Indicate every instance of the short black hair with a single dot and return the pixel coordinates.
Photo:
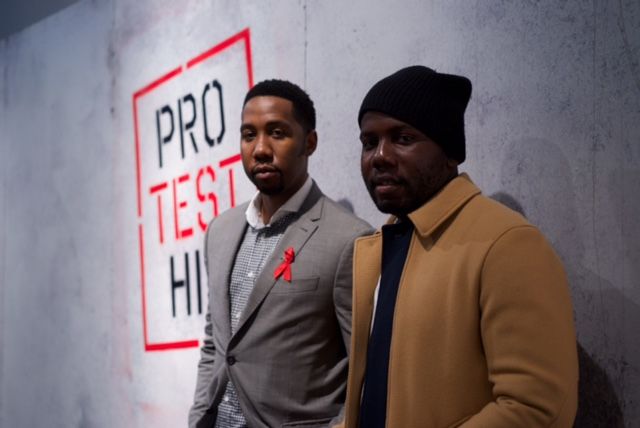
(303, 109)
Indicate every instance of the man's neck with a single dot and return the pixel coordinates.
(269, 204)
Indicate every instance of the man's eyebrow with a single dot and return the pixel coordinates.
(365, 135)
(269, 124)
(282, 123)
(404, 128)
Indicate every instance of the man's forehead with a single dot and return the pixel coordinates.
(268, 99)
(268, 106)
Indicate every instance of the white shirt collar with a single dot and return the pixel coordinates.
(254, 217)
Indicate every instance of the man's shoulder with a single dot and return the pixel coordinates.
(228, 216)
(336, 214)
(491, 217)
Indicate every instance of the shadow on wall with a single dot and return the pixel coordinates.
(346, 204)
(598, 405)
(536, 175)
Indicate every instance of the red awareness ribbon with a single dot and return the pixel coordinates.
(285, 266)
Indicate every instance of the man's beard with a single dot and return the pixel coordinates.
(266, 189)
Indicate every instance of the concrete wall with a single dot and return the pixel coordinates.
(552, 130)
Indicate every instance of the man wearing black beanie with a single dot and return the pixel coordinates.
(461, 309)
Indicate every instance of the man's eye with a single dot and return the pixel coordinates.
(248, 135)
(368, 143)
(406, 138)
(277, 133)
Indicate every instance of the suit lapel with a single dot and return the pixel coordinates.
(222, 276)
(296, 236)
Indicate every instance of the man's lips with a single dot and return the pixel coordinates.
(385, 184)
(264, 171)
(385, 180)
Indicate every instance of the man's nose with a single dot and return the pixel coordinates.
(262, 148)
(383, 155)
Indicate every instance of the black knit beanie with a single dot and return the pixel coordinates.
(431, 102)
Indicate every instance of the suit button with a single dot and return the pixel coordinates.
(231, 360)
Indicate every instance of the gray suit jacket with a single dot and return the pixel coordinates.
(288, 358)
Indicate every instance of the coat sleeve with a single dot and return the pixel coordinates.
(528, 335)
(207, 358)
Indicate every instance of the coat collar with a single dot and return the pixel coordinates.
(442, 205)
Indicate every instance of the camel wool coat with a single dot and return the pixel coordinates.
(483, 332)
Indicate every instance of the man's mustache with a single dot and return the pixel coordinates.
(384, 178)
(260, 168)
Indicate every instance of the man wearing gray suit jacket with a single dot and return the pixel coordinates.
(279, 267)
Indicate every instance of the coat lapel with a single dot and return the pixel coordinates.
(225, 257)
(366, 272)
(296, 236)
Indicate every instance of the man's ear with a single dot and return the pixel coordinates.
(311, 142)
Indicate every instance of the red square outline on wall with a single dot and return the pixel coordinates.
(242, 37)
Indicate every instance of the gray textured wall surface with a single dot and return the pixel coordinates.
(19, 14)
(553, 130)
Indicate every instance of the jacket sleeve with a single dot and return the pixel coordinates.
(343, 282)
(528, 335)
(207, 357)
